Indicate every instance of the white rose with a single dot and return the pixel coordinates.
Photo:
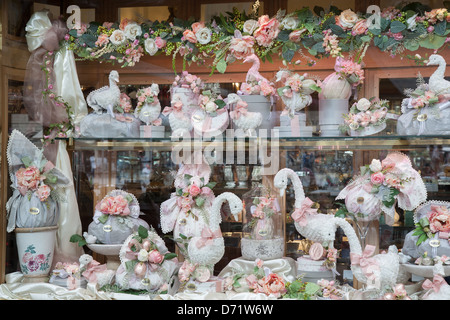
(210, 107)
(375, 166)
(203, 35)
(348, 18)
(250, 26)
(363, 104)
(117, 37)
(143, 255)
(132, 30)
(150, 46)
(289, 23)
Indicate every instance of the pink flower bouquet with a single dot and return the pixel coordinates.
(295, 91)
(366, 117)
(116, 216)
(348, 75)
(38, 185)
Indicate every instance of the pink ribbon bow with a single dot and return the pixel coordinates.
(365, 261)
(176, 108)
(239, 110)
(300, 214)
(208, 236)
(434, 285)
(72, 283)
(92, 269)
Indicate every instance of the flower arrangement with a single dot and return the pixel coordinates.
(211, 103)
(426, 260)
(117, 205)
(436, 220)
(258, 87)
(365, 113)
(419, 98)
(295, 91)
(192, 192)
(143, 253)
(398, 292)
(330, 290)
(125, 105)
(146, 96)
(188, 81)
(262, 280)
(262, 211)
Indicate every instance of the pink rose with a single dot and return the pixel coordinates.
(123, 24)
(259, 263)
(160, 43)
(242, 47)
(155, 257)
(40, 258)
(377, 178)
(194, 190)
(189, 36)
(43, 192)
(359, 28)
(197, 26)
(28, 178)
(268, 30)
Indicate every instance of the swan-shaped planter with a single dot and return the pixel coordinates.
(208, 248)
(378, 271)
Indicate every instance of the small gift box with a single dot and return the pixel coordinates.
(152, 131)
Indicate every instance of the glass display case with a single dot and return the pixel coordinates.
(146, 167)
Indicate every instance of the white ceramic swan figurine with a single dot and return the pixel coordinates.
(106, 97)
(437, 82)
(209, 248)
(322, 228)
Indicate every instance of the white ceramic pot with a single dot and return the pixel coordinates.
(35, 247)
(259, 103)
(330, 115)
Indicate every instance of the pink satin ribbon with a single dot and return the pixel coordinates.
(239, 110)
(93, 268)
(300, 214)
(208, 236)
(72, 283)
(177, 110)
(364, 260)
(208, 119)
(434, 285)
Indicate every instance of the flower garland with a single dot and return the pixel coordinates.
(226, 39)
